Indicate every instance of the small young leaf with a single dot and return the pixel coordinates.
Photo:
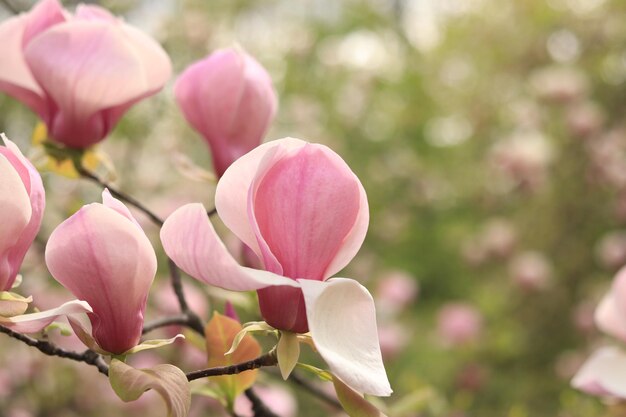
(288, 352)
(169, 381)
(353, 403)
(220, 335)
(13, 304)
(153, 344)
(252, 327)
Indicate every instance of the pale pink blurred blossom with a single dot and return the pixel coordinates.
(459, 324)
(531, 271)
(395, 292)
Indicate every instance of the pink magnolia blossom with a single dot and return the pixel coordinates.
(102, 256)
(229, 99)
(79, 73)
(22, 200)
(304, 214)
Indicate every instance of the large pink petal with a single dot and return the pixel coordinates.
(42, 16)
(342, 322)
(104, 258)
(36, 322)
(189, 239)
(305, 205)
(16, 78)
(603, 374)
(14, 205)
(91, 66)
(34, 187)
(231, 195)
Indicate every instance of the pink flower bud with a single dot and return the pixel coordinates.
(79, 73)
(103, 257)
(396, 291)
(459, 324)
(229, 99)
(22, 202)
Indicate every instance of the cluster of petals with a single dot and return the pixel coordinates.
(304, 213)
(80, 73)
(604, 373)
(103, 257)
(229, 99)
(22, 203)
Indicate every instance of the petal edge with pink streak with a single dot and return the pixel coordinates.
(603, 374)
(342, 322)
(36, 322)
(190, 240)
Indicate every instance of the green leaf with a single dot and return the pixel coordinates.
(152, 344)
(288, 353)
(353, 403)
(169, 381)
(320, 373)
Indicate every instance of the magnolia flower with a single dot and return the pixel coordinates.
(229, 99)
(102, 256)
(79, 73)
(604, 374)
(22, 202)
(304, 214)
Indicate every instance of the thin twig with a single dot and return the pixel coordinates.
(194, 322)
(89, 356)
(258, 407)
(268, 359)
(85, 173)
(180, 320)
(314, 391)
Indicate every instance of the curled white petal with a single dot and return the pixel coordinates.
(603, 374)
(342, 322)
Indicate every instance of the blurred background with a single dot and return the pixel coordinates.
(490, 136)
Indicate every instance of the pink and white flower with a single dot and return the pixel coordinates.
(304, 213)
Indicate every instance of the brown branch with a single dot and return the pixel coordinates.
(180, 320)
(268, 359)
(258, 407)
(89, 356)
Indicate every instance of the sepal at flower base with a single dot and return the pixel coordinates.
(167, 380)
(287, 353)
